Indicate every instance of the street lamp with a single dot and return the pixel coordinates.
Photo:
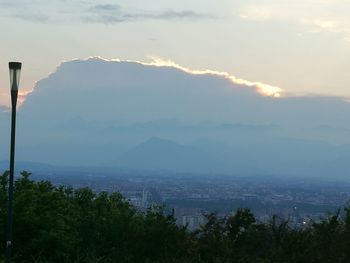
(15, 72)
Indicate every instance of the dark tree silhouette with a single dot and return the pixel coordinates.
(60, 224)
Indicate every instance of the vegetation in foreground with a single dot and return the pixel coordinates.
(59, 224)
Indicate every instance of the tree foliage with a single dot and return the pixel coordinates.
(60, 224)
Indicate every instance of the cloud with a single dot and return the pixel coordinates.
(313, 16)
(257, 13)
(110, 14)
(157, 92)
(40, 11)
(319, 25)
(261, 88)
(32, 17)
(106, 7)
(36, 11)
(22, 95)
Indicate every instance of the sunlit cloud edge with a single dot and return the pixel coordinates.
(261, 88)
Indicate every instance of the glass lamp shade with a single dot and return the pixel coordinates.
(15, 73)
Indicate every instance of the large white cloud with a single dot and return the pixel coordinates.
(98, 89)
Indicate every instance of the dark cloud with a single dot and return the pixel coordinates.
(40, 11)
(106, 7)
(171, 14)
(110, 14)
(39, 18)
(34, 11)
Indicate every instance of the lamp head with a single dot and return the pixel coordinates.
(15, 73)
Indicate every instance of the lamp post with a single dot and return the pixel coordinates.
(15, 71)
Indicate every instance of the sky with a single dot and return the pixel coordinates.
(300, 46)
